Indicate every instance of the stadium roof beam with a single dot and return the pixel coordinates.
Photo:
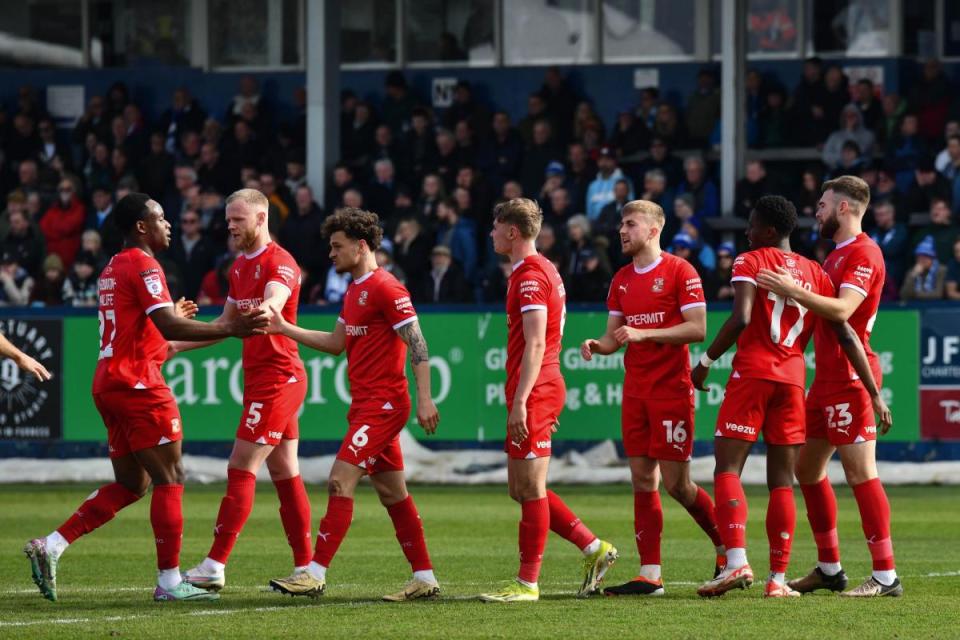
(733, 60)
(322, 61)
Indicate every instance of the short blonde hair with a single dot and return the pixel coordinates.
(250, 197)
(854, 189)
(651, 210)
(523, 213)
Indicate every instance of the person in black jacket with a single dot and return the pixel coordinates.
(192, 253)
(301, 236)
(444, 283)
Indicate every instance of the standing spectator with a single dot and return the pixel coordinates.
(193, 253)
(386, 147)
(865, 98)
(155, 172)
(358, 141)
(466, 143)
(447, 161)
(420, 144)
(539, 153)
(629, 135)
(809, 104)
(296, 170)
(706, 196)
(185, 185)
(100, 218)
(561, 102)
(942, 231)
(893, 240)
(591, 282)
(717, 286)
(301, 236)
(774, 121)
(893, 110)
(16, 285)
(943, 159)
(581, 171)
(930, 99)
(22, 141)
(24, 242)
(647, 109)
(905, 150)
(432, 191)
(62, 223)
(607, 225)
(950, 169)
(953, 273)
(93, 121)
(926, 186)
(460, 236)
(600, 192)
(536, 111)
(550, 246)
(886, 191)
(753, 85)
(343, 179)
(661, 158)
(243, 147)
(668, 126)
(80, 288)
(48, 290)
(278, 200)
(398, 104)
(851, 129)
(382, 189)
(411, 247)
(500, 157)
(703, 109)
(753, 186)
(465, 107)
(183, 115)
(52, 154)
(925, 280)
(582, 245)
(837, 96)
(655, 190)
(560, 209)
(444, 283)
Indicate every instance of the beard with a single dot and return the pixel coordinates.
(829, 227)
(247, 239)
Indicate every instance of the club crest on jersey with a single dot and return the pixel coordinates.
(362, 300)
(791, 263)
(836, 265)
(256, 273)
(153, 283)
(657, 285)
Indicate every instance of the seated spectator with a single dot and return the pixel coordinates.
(411, 247)
(539, 153)
(851, 161)
(62, 223)
(927, 185)
(684, 246)
(584, 118)
(343, 179)
(607, 225)
(554, 178)
(92, 243)
(629, 136)
(753, 186)
(703, 109)
(536, 111)
(398, 103)
(280, 201)
(385, 261)
(706, 196)
(851, 129)
(215, 284)
(155, 171)
(216, 172)
(465, 108)
(647, 109)
(550, 246)
(301, 235)
(495, 284)
(24, 241)
(893, 109)
(655, 190)
(886, 191)
(511, 190)
(464, 202)
(459, 235)
(924, 281)
(444, 283)
(893, 240)
(80, 288)
(52, 154)
(296, 170)
(466, 143)
(481, 196)
(600, 191)
(953, 273)
(98, 172)
(332, 289)
(447, 161)
(950, 168)
(185, 114)
(837, 95)
(717, 285)
(591, 282)
(193, 253)
(942, 230)
(668, 127)
(382, 189)
(352, 198)
(358, 141)
(100, 219)
(905, 150)
(499, 158)
(865, 99)
(420, 144)
(944, 158)
(16, 285)
(387, 148)
(48, 290)
(583, 245)
(581, 170)
(432, 191)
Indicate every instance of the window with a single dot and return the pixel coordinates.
(771, 28)
(254, 33)
(853, 27)
(138, 32)
(443, 30)
(368, 31)
(549, 31)
(42, 33)
(635, 29)
(919, 29)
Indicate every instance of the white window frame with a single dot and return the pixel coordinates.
(201, 37)
(701, 34)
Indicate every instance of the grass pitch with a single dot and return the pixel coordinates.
(106, 579)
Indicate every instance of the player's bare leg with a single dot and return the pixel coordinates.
(730, 454)
(821, 506)
(284, 468)
(781, 517)
(391, 488)
(860, 466)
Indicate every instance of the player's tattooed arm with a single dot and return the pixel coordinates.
(411, 334)
(427, 414)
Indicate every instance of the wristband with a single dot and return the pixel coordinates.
(706, 361)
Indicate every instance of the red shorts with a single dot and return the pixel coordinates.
(269, 417)
(660, 428)
(373, 439)
(752, 405)
(138, 419)
(544, 406)
(841, 413)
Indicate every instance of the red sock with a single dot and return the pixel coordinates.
(822, 514)
(875, 518)
(702, 511)
(731, 510)
(409, 528)
(166, 516)
(98, 509)
(566, 524)
(295, 515)
(781, 522)
(333, 529)
(648, 525)
(234, 510)
(534, 527)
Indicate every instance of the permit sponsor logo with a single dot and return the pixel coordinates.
(657, 285)
(740, 428)
(356, 330)
(154, 284)
(646, 319)
(248, 304)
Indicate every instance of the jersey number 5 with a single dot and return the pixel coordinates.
(779, 303)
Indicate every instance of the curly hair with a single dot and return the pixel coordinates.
(356, 224)
(777, 212)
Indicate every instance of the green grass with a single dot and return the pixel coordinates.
(106, 579)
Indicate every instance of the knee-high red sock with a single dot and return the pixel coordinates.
(534, 527)
(333, 529)
(166, 516)
(234, 510)
(822, 515)
(409, 529)
(875, 518)
(295, 515)
(648, 525)
(702, 511)
(566, 524)
(781, 522)
(731, 510)
(98, 509)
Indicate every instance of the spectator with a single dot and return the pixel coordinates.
(466, 108)
(560, 102)
(444, 283)
(953, 273)
(647, 109)
(473, 181)
(703, 109)
(851, 161)
(193, 254)
(62, 223)
(941, 230)
(466, 144)
(215, 284)
(80, 288)
(893, 240)
(684, 246)
(447, 161)
(550, 247)
(629, 135)
(332, 289)
(411, 247)
(243, 147)
(753, 186)
(385, 261)
(536, 111)
(600, 192)
(540, 153)
(301, 235)
(851, 129)
(91, 243)
(774, 120)
(22, 237)
(809, 104)
(119, 166)
(184, 115)
(661, 158)
(48, 291)
(894, 109)
(684, 224)
(353, 198)
(93, 121)
(668, 126)
(560, 209)
(385, 147)
(583, 246)
(279, 203)
(460, 236)
(343, 179)
(607, 225)
(358, 141)
(420, 143)
(16, 285)
(100, 218)
(865, 98)
(581, 170)
(431, 193)
(296, 170)
(155, 171)
(930, 99)
(586, 118)
(837, 95)
(927, 185)
(655, 190)
(398, 104)
(248, 94)
(944, 159)
(52, 154)
(495, 284)
(500, 157)
(753, 85)
(22, 141)
(591, 282)
(382, 189)
(706, 196)
(185, 187)
(886, 191)
(950, 169)
(905, 150)
(98, 170)
(717, 286)
(925, 280)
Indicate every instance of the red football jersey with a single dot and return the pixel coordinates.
(655, 297)
(855, 264)
(374, 307)
(268, 360)
(534, 284)
(772, 345)
(132, 350)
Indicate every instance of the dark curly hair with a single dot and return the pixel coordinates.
(356, 224)
(131, 209)
(776, 212)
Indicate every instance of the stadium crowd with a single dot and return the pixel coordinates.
(433, 177)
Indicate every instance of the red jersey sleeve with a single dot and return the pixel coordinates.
(150, 286)
(689, 287)
(614, 306)
(283, 269)
(533, 290)
(859, 273)
(395, 304)
(824, 282)
(745, 269)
